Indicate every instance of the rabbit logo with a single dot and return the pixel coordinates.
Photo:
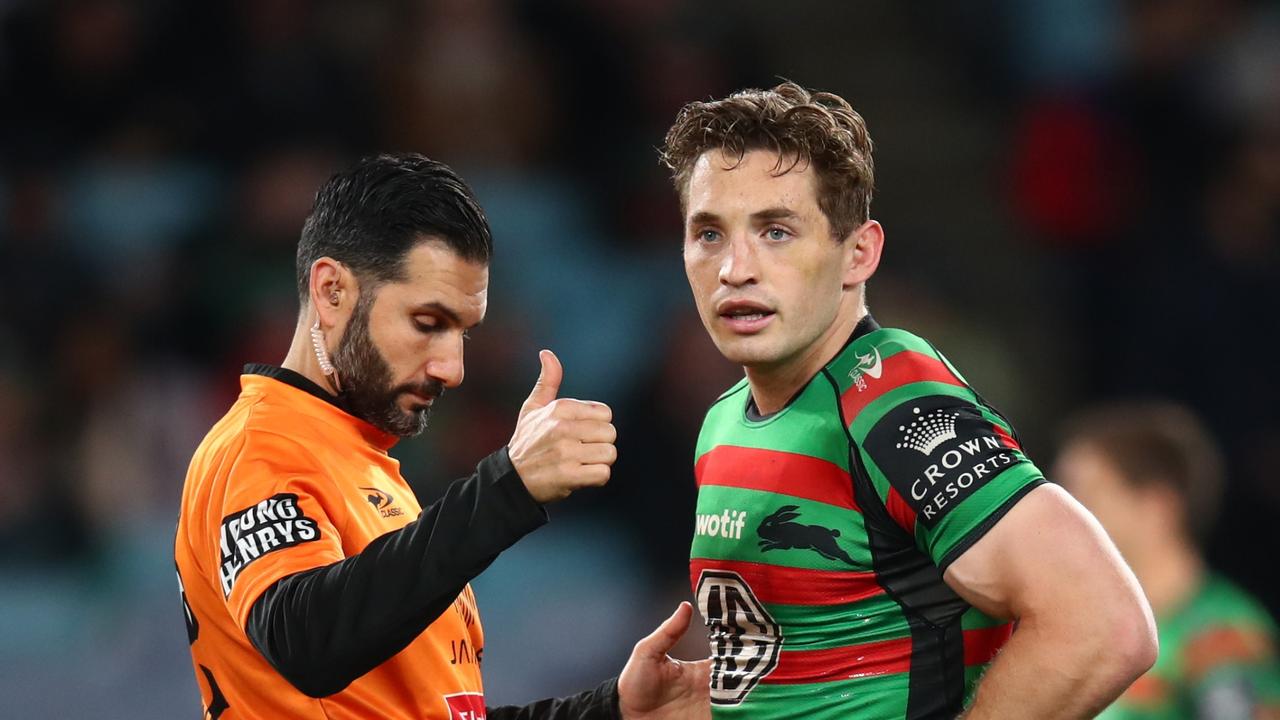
(779, 532)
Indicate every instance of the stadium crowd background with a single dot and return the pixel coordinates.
(1082, 201)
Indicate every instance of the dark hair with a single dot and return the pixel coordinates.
(1157, 443)
(371, 216)
(817, 128)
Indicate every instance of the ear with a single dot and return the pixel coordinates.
(862, 253)
(332, 292)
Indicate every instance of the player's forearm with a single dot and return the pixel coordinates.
(1062, 671)
(323, 628)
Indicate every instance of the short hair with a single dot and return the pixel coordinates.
(814, 128)
(1155, 442)
(370, 216)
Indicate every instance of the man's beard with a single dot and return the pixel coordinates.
(366, 381)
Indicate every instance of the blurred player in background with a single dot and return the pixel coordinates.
(1153, 476)
(868, 527)
(314, 585)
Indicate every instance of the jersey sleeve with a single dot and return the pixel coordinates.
(279, 515)
(945, 465)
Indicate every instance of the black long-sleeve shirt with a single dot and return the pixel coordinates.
(323, 628)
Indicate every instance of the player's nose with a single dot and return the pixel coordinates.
(740, 265)
(446, 364)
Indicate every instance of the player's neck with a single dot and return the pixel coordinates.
(1170, 574)
(772, 387)
(301, 358)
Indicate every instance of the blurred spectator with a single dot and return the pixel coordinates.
(461, 80)
(1153, 477)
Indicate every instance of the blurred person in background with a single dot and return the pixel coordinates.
(868, 528)
(312, 581)
(1153, 476)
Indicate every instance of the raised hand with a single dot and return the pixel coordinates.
(561, 445)
(655, 686)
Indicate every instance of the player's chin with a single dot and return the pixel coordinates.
(751, 350)
(414, 424)
(410, 419)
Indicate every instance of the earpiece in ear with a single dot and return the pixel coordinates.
(322, 354)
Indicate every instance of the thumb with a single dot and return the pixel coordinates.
(548, 385)
(668, 633)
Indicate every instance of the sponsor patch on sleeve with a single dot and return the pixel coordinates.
(937, 451)
(246, 535)
(466, 706)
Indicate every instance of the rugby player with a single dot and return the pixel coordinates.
(313, 583)
(1152, 475)
(869, 530)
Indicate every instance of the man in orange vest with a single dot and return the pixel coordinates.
(313, 583)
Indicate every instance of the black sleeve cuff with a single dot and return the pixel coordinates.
(497, 470)
(598, 704)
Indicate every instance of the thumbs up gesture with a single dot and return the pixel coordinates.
(560, 445)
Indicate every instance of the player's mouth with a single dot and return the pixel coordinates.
(420, 400)
(744, 317)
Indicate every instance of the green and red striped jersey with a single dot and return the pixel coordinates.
(823, 530)
(1218, 661)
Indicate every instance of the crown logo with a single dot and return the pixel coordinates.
(927, 432)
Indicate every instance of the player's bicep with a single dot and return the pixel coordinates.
(1048, 556)
(947, 469)
(270, 527)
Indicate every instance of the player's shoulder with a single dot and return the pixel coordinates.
(877, 365)
(1221, 602)
(727, 401)
(886, 341)
(257, 434)
(722, 415)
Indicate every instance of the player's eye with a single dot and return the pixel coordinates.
(777, 234)
(426, 324)
(709, 236)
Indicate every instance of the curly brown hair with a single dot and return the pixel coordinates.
(801, 127)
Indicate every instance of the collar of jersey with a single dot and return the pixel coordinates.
(295, 388)
(865, 326)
